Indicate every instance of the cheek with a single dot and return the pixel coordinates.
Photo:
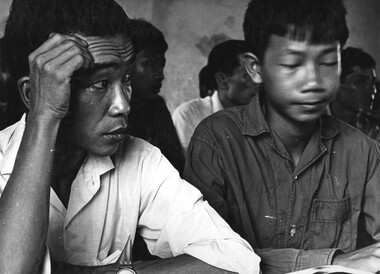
(330, 77)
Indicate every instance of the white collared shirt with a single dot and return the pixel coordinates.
(109, 202)
(188, 115)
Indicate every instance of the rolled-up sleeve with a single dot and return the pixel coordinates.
(175, 220)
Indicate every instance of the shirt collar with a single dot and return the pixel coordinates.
(10, 145)
(254, 122)
(216, 103)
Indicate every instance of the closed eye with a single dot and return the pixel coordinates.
(329, 64)
(291, 66)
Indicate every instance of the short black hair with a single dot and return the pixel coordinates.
(325, 19)
(352, 57)
(30, 23)
(206, 80)
(224, 58)
(146, 36)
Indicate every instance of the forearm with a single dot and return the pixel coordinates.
(180, 264)
(183, 264)
(24, 204)
(289, 259)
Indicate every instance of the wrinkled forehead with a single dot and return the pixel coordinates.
(109, 49)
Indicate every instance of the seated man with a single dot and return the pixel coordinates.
(232, 85)
(150, 118)
(354, 101)
(290, 180)
(70, 176)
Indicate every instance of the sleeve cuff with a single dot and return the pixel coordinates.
(307, 259)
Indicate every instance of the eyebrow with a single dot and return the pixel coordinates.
(301, 52)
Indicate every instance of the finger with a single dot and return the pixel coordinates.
(54, 52)
(71, 65)
(72, 51)
(55, 40)
(54, 65)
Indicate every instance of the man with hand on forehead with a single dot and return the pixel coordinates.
(71, 178)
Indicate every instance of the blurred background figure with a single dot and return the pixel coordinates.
(150, 118)
(228, 79)
(355, 99)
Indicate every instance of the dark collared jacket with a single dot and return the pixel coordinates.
(294, 217)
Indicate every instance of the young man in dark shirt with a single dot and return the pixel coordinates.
(290, 180)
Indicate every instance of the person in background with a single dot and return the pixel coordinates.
(354, 101)
(232, 85)
(150, 118)
(72, 179)
(288, 178)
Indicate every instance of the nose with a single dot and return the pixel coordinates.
(120, 101)
(313, 78)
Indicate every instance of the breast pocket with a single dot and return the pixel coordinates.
(331, 223)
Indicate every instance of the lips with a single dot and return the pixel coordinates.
(116, 135)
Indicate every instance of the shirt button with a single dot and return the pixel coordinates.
(293, 231)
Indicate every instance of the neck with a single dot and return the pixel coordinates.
(223, 99)
(294, 136)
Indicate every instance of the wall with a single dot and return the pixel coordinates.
(192, 27)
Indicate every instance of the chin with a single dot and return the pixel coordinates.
(104, 151)
(308, 118)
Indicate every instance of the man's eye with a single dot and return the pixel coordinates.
(99, 85)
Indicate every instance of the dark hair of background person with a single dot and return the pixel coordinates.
(352, 57)
(29, 25)
(224, 57)
(147, 36)
(323, 20)
(206, 79)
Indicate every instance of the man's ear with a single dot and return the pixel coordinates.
(23, 85)
(220, 79)
(253, 68)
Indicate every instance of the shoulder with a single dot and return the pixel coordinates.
(230, 119)
(349, 137)
(141, 156)
(192, 107)
(136, 148)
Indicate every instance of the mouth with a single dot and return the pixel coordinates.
(313, 105)
(156, 88)
(116, 135)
